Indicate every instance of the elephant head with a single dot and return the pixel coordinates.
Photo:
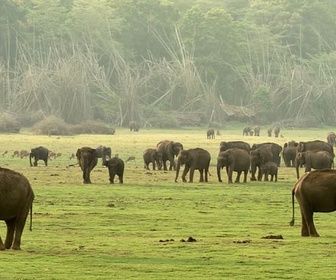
(300, 160)
(184, 157)
(87, 159)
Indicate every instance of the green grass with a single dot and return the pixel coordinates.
(104, 231)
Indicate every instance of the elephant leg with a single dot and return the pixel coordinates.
(238, 176)
(245, 176)
(206, 171)
(191, 174)
(121, 179)
(266, 176)
(10, 233)
(185, 171)
(229, 174)
(259, 174)
(112, 178)
(201, 175)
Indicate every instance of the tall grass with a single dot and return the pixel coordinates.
(135, 230)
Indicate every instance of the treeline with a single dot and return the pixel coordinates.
(167, 63)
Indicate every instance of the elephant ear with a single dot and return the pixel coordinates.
(79, 154)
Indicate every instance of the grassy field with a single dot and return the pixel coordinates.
(135, 230)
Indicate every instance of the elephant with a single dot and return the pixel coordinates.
(289, 153)
(247, 131)
(87, 159)
(115, 166)
(269, 132)
(313, 159)
(169, 149)
(276, 131)
(223, 146)
(234, 159)
(196, 158)
(315, 145)
(331, 139)
(134, 126)
(275, 149)
(210, 133)
(269, 168)
(256, 130)
(104, 153)
(152, 155)
(315, 192)
(39, 153)
(258, 157)
(16, 200)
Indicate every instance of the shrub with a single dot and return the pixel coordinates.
(9, 123)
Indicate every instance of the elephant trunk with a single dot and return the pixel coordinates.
(219, 172)
(253, 171)
(30, 157)
(177, 171)
(297, 170)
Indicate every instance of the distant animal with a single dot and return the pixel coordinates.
(24, 153)
(276, 131)
(269, 132)
(256, 130)
(16, 200)
(134, 126)
(87, 159)
(16, 153)
(210, 133)
(115, 167)
(218, 132)
(131, 158)
(104, 153)
(52, 155)
(247, 131)
(4, 153)
(315, 191)
(72, 156)
(39, 153)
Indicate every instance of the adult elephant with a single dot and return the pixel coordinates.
(289, 153)
(16, 200)
(275, 148)
(234, 159)
(134, 126)
(223, 146)
(210, 133)
(313, 159)
(247, 131)
(193, 159)
(276, 131)
(39, 153)
(87, 159)
(152, 155)
(104, 153)
(259, 157)
(315, 145)
(315, 192)
(331, 139)
(256, 130)
(169, 149)
(269, 132)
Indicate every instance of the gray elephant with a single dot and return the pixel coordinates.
(289, 153)
(331, 139)
(104, 153)
(210, 133)
(16, 200)
(39, 153)
(275, 148)
(269, 168)
(256, 130)
(193, 159)
(247, 131)
(315, 192)
(269, 132)
(115, 166)
(87, 159)
(313, 159)
(276, 131)
(169, 149)
(134, 126)
(258, 157)
(152, 155)
(234, 159)
(223, 146)
(315, 145)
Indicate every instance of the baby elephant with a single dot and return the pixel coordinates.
(116, 167)
(269, 168)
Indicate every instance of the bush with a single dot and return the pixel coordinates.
(92, 127)
(52, 125)
(9, 123)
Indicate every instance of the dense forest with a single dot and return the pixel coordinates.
(169, 63)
